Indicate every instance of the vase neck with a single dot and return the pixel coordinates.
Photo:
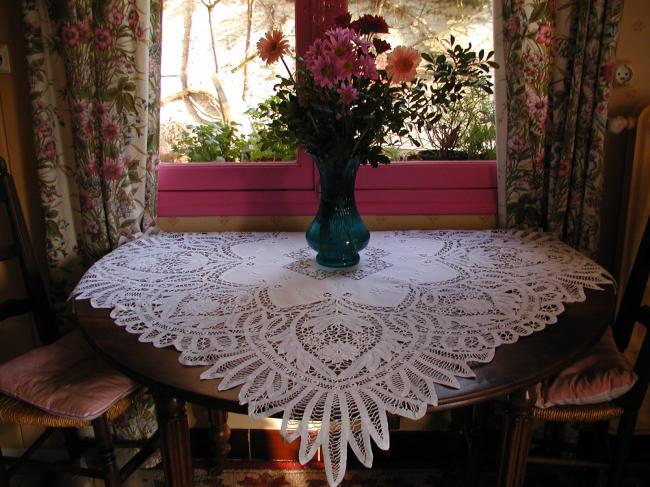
(337, 176)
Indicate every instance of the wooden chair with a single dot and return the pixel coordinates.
(626, 407)
(77, 384)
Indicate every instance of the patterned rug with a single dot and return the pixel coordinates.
(290, 474)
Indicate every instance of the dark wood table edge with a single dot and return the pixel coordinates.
(520, 396)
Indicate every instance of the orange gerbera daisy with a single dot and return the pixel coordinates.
(272, 46)
(401, 64)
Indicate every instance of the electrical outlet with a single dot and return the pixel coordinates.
(623, 74)
(5, 65)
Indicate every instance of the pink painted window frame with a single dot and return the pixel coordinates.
(402, 188)
(292, 188)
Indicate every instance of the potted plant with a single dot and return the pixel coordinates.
(459, 89)
(464, 131)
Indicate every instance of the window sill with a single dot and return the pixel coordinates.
(405, 188)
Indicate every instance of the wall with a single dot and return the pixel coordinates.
(16, 147)
(633, 49)
(629, 100)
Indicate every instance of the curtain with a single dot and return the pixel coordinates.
(94, 73)
(557, 59)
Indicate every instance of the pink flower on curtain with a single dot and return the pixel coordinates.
(70, 35)
(113, 169)
(517, 143)
(539, 159)
(607, 69)
(48, 193)
(538, 107)
(544, 35)
(79, 110)
(513, 26)
(565, 167)
(88, 128)
(133, 18)
(103, 38)
(91, 226)
(43, 130)
(91, 166)
(85, 199)
(84, 31)
(102, 109)
(115, 17)
(30, 29)
(48, 150)
(110, 129)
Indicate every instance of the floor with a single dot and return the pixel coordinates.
(409, 463)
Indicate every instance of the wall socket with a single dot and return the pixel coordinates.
(623, 74)
(5, 65)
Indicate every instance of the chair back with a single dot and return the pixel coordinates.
(631, 312)
(36, 300)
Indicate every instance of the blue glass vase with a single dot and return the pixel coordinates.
(337, 232)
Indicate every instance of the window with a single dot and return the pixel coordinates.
(211, 75)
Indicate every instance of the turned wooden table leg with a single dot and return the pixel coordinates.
(476, 449)
(516, 438)
(175, 441)
(219, 436)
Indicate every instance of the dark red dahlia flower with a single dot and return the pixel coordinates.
(370, 24)
(380, 45)
(343, 20)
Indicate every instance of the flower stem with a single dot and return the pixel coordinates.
(288, 70)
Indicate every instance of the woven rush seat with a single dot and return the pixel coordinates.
(17, 411)
(579, 414)
(65, 380)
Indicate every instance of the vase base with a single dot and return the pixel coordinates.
(337, 262)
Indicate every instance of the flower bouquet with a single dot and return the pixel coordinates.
(349, 96)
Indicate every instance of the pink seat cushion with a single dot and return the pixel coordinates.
(601, 375)
(65, 379)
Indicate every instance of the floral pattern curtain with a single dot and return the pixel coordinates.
(94, 71)
(557, 63)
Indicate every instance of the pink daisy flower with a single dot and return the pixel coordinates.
(324, 72)
(314, 52)
(347, 94)
(369, 67)
(340, 41)
(348, 66)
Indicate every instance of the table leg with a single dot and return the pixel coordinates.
(516, 438)
(477, 440)
(219, 436)
(175, 441)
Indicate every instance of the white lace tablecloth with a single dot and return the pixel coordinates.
(334, 351)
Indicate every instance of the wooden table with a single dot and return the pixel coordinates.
(512, 374)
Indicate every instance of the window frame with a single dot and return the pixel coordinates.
(292, 188)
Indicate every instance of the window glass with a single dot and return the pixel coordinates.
(213, 82)
(467, 131)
